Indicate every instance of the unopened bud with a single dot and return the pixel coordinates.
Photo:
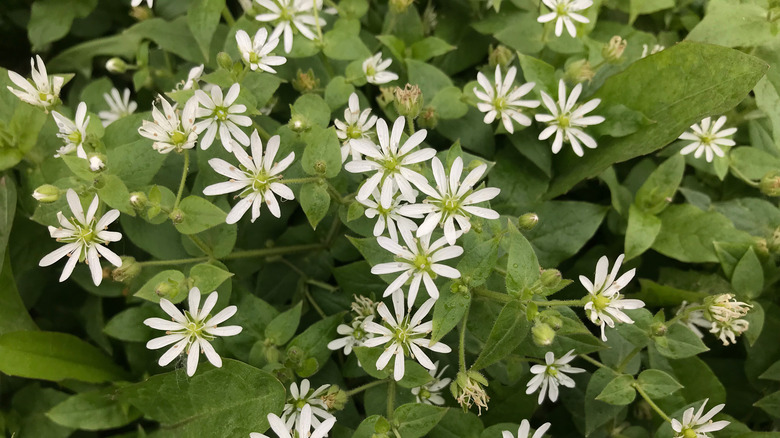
(761, 246)
(224, 60)
(295, 354)
(116, 65)
(46, 193)
(382, 426)
(579, 71)
(138, 200)
(298, 123)
(428, 118)
(167, 289)
(272, 354)
(613, 51)
(320, 167)
(335, 398)
(305, 82)
(501, 55)
(551, 278)
(543, 334)
(127, 271)
(400, 6)
(658, 329)
(770, 183)
(552, 318)
(459, 287)
(96, 162)
(528, 221)
(386, 96)
(177, 216)
(408, 100)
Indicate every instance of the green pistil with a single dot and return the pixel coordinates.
(421, 262)
(253, 58)
(194, 328)
(74, 137)
(425, 394)
(600, 302)
(178, 138)
(552, 371)
(561, 9)
(221, 113)
(499, 104)
(563, 121)
(262, 181)
(689, 433)
(354, 132)
(706, 139)
(370, 70)
(300, 403)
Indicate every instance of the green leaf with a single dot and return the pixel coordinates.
(597, 412)
(214, 402)
(456, 424)
(353, 8)
(668, 88)
(166, 284)
(172, 36)
(93, 410)
(135, 163)
(659, 188)
(752, 162)
(620, 121)
(313, 342)
(203, 18)
(478, 261)
(322, 155)
(772, 373)
(13, 314)
(29, 406)
(748, 276)
(315, 201)
(657, 384)
(55, 356)
(415, 420)
(733, 25)
(429, 78)
(337, 92)
(679, 342)
(115, 194)
(509, 330)
(522, 266)
(770, 404)
(539, 72)
(619, 391)
(641, 231)
(208, 277)
(368, 357)
(199, 215)
(282, 328)
(51, 20)
(687, 234)
(448, 311)
(128, 325)
(7, 211)
(396, 45)
(430, 47)
(642, 7)
(343, 42)
(564, 227)
(313, 109)
(448, 104)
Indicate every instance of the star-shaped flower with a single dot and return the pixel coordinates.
(170, 130)
(221, 117)
(567, 119)
(256, 52)
(74, 132)
(697, 426)
(120, 106)
(386, 208)
(356, 124)
(289, 14)
(565, 13)
(524, 431)
(549, 376)
(708, 138)
(502, 100)
(375, 69)
(306, 396)
(42, 91)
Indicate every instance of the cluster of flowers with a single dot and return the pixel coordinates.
(720, 314)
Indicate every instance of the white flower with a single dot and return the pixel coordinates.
(42, 91)
(390, 159)
(549, 376)
(191, 332)
(363, 307)
(567, 119)
(354, 335)
(697, 426)
(356, 124)
(193, 77)
(525, 429)
(170, 130)
(708, 138)
(222, 117)
(725, 307)
(386, 208)
(120, 106)
(502, 100)
(647, 50)
(256, 52)
(74, 132)
(452, 200)
(257, 179)
(289, 13)
(302, 429)
(564, 11)
(430, 393)
(136, 3)
(419, 260)
(84, 237)
(96, 163)
(374, 69)
(403, 335)
(727, 331)
(605, 301)
(307, 396)
(694, 319)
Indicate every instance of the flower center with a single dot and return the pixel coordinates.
(499, 104)
(194, 328)
(689, 433)
(422, 262)
(253, 58)
(600, 302)
(706, 139)
(552, 371)
(75, 137)
(370, 70)
(424, 394)
(354, 132)
(563, 121)
(262, 181)
(300, 403)
(562, 9)
(221, 113)
(178, 138)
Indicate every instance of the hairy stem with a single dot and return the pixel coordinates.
(362, 388)
(183, 178)
(652, 403)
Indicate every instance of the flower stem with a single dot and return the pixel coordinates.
(174, 262)
(593, 361)
(300, 180)
(500, 270)
(228, 16)
(684, 315)
(560, 303)
(362, 388)
(313, 303)
(624, 363)
(652, 403)
(183, 178)
(462, 345)
(390, 398)
(744, 178)
(495, 296)
(410, 125)
(322, 284)
(265, 252)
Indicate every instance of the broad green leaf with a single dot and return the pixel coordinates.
(676, 88)
(343, 42)
(313, 342)
(199, 215)
(619, 391)
(657, 384)
(641, 7)
(115, 194)
(55, 356)
(620, 121)
(322, 155)
(79, 58)
(173, 36)
(731, 24)
(337, 92)
(31, 404)
(597, 412)
(509, 330)
(522, 267)
(430, 47)
(457, 423)
(429, 78)
(478, 261)
(396, 45)
(748, 276)
(448, 104)
(770, 404)
(7, 212)
(564, 227)
(93, 410)
(371, 426)
(208, 277)
(261, 87)
(51, 20)
(352, 8)
(166, 284)
(136, 163)
(282, 328)
(641, 231)
(679, 342)
(654, 294)
(414, 373)
(315, 201)
(539, 72)
(687, 233)
(772, 373)
(216, 402)
(313, 110)
(415, 420)
(128, 325)
(659, 188)
(449, 310)
(752, 162)
(202, 19)
(13, 314)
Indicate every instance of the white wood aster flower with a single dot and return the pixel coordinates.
(708, 138)
(565, 14)
(221, 117)
(119, 106)
(501, 100)
(549, 376)
(289, 15)
(256, 52)
(73, 132)
(567, 120)
(375, 69)
(524, 431)
(170, 130)
(42, 91)
(606, 304)
(257, 180)
(191, 332)
(303, 396)
(84, 237)
(404, 335)
(419, 261)
(700, 424)
(303, 429)
(357, 124)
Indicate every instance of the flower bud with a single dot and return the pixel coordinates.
(770, 183)
(408, 100)
(272, 354)
(528, 221)
(468, 389)
(305, 82)
(658, 329)
(320, 167)
(176, 216)
(543, 334)
(127, 271)
(400, 6)
(295, 354)
(116, 65)
(613, 51)
(224, 60)
(167, 289)
(579, 71)
(428, 118)
(552, 318)
(501, 55)
(96, 162)
(138, 200)
(141, 13)
(298, 123)
(46, 193)
(551, 278)
(335, 398)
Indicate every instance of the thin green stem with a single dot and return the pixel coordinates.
(410, 125)
(624, 363)
(266, 252)
(593, 361)
(390, 399)
(300, 180)
(500, 270)
(322, 284)
(313, 303)
(334, 228)
(560, 303)
(201, 244)
(174, 262)
(264, 135)
(228, 17)
(462, 344)
(183, 178)
(652, 403)
(495, 296)
(362, 388)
